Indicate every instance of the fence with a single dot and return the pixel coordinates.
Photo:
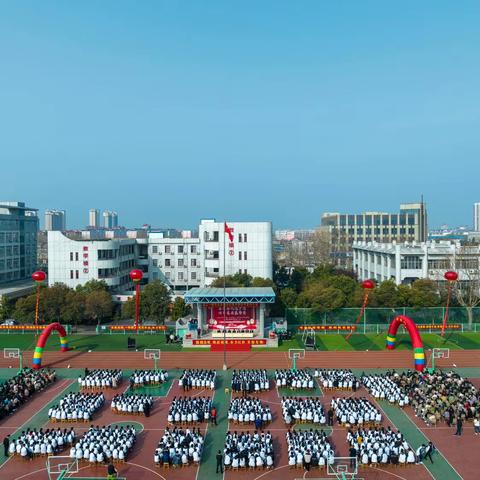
(374, 317)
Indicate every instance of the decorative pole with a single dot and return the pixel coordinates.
(136, 276)
(367, 286)
(38, 277)
(450, 277)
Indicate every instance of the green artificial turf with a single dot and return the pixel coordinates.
(104, 342)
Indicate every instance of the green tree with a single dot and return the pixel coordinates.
(386, 294)
(424, 293)
(155, 302)
(280, 276)
(329, 298)
(93, 286)
(288, 297)
(24, 310)
(74, 312)
(180, 309)
(297, 278)
(7, 306)
(262, 282)
(98, 306)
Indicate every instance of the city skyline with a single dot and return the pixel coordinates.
(170, 114)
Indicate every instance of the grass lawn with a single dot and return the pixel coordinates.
(332, 342)
(105, 342)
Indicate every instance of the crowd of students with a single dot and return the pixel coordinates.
(145, 378)
(303, 410)
(244, 410)
(100, 379)
(76, 407)
(189, 410)
(355, 411)
(32, 442)
(337, 379)
(105, 444)
(294, 379)
(380, 446)
(250, 381)
(309, 449)
(382, 387)
(248, 450)
(197, 379)
(132, 404)
(439, 395)
(179, 447)
(18, 389)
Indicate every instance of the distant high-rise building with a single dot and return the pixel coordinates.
(476, 216)
(18, 241)
(110, 219)
(345, 229)
(94, 218)
(55, 220)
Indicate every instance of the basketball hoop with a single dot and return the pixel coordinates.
(295, 354)
(13, 353)
(152, 353)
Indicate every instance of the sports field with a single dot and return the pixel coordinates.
(449, 463)
(325, 342)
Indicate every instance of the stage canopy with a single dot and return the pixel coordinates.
(241, 295)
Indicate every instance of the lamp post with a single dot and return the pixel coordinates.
(368, 286)
(450, 277)
(38, 277)
(136, 276)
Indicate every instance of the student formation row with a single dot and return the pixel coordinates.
(433, 396)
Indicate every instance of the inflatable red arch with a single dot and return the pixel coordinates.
(409, 324)
(42, 340)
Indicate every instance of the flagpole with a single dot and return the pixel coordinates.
(224, 309)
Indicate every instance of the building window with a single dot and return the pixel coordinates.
(245, 255)
(240, 238)
(155, 262)
(193, 249)
(193, 262)
(167, 248)
(245, 237)
(167, 262)
(76, 274)
(71, 274)
(245, 271)
(180, 262)
(412, 262)
(239, 255)
(180, 249)
(71, 256)
(193, 275)
(76, 256)
(240, 271)
(180, 275)
(167, 275)
(155, 249)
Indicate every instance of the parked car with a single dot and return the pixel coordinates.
(9, 322)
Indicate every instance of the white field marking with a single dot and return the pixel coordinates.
(127, 463)
(10, 457)
(439, 452)
(389, 419)
(270, 471)
(198, 467)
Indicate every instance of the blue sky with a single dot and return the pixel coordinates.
(172, 111)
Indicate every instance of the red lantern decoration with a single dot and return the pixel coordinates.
(451, 276)
(368, 284)
(136, 275)
(38, 276)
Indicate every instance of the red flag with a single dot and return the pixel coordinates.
(228, 230)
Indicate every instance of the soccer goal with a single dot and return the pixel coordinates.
(152, 354)
(295, 354)
(60, 467)
(13, 353)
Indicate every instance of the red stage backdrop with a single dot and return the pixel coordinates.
(236, 317)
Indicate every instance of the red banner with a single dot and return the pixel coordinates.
(232, 317)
